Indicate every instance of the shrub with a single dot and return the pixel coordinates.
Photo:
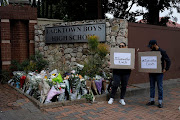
(39, 61)
(36, 62)
(93, 43)
(16, 66)
(103, 50)
(4, 76)
(96, 58)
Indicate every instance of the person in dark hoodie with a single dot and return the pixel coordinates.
(158, 77)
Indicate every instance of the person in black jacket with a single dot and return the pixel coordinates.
(120, 75)
(153, 77)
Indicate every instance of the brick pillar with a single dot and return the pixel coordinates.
(31, 36)
(5, 44)
(19, 40)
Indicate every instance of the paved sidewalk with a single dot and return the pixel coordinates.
(14, 106)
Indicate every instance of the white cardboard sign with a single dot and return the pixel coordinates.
(122, 58)
(149, 62)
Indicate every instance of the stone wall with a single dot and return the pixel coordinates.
(64, 56)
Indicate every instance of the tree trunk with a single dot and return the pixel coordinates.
(51, 11)
(34, 3)
(99, 9)
(43, 8)
(153, 15)
(47, 9)
(38, 8)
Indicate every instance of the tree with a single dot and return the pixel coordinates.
(68, 10)
(72, 10)
(121, 9)
(155, 6)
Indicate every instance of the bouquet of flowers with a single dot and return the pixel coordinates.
(57, 86)
(16, 78)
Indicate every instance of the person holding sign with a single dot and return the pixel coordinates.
(153, 77)
(120, 75)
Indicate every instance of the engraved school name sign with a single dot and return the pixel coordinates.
(76, 33)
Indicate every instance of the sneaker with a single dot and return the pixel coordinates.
(110, 101)
(122, 102)
(150, 103)
(160, 105)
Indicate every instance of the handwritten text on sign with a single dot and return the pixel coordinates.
(122, 58)
(149, 62)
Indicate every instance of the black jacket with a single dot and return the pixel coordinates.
(164, 58)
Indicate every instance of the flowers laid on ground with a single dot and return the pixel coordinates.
(51, 86)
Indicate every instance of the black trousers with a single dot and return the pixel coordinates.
(120, 76)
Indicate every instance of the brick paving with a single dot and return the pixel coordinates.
(14, 106)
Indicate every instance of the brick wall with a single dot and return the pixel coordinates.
(5, 43)
(21, 12)
(31, 36)
(16, 33)
(167, 38)
(19, 40)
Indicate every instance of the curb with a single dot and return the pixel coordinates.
(135, 90)
(50, 105)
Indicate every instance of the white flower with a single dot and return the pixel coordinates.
(82, 79)
(52, 76)
(73, 71)
(79, 65)
(63, 85)
(98, 77)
